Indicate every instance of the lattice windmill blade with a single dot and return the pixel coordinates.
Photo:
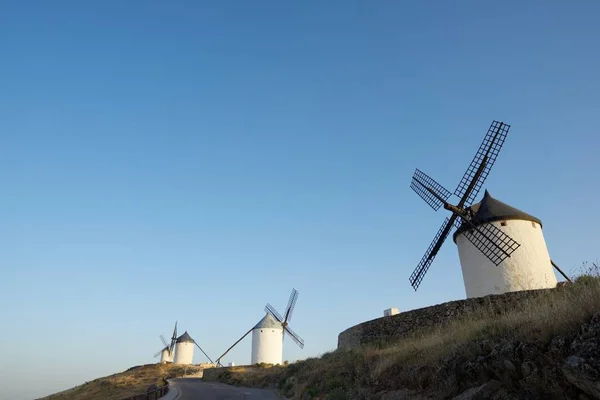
(417, 276)
(173, 339)
(291, 304)
(470, 184)
(162, 338)
(419, 183)
(158, 353)
(294, 336)
(489, 240)
(269, 308)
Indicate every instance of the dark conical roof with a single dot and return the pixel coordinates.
(185, 338)
(268, 322)
(490, 209)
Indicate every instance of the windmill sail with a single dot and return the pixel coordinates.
(488, 152)
(417, 276)
(294, 337)
(271, 310)
(291, 304)
(488, 239)
(421, 181)
(288, 317)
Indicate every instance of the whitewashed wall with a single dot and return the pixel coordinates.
(165, 356)
(184, 353)
(267, 346)
(527, 268)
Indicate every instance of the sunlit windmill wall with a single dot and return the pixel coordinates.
(529, 267)
(184, 349)
(267, 341)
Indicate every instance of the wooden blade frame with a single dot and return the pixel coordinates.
(473, 180)
(436, 195)
(173, 339)
(421, 181)
(162, 338)
(294, 336)
(489, 240)
(419, 273)
(290, 307)
(271, 310)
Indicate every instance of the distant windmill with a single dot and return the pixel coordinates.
(485, 228)
(168, 352)
(184, 349)
(267, 334)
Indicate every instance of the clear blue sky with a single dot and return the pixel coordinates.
(188, 161)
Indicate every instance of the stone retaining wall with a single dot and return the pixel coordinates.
(214, 374)
(387, 329)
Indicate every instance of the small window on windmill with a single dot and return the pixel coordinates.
(533, 224)
(503, 223)
(261, 331)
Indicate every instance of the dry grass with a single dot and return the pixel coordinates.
(132, 382)
(414, 362)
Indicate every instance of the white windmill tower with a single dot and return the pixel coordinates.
(528, 268)
(167, 353)
(184, 349)
(268, 333)
(489, 233)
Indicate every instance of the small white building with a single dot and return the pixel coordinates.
(166, 356)
(231, 364)
(267, 341)
(390, 311)
(184, 349)
(529, 267)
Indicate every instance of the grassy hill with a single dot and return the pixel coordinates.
(131, 382)
(550, 349)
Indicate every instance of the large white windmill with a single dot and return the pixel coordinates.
(168, 352)
(184, 349)
(501, 249)
(268, 333)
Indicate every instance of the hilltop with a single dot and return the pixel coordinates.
(125, 384)
(548, 349)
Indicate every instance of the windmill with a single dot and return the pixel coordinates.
(481, 224)
(167, 353)
(284, 321)
(268, 334)
(184, 349)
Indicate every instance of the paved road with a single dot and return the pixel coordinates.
(196, 389)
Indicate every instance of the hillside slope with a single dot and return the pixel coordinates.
(549, 349)
(128, 383)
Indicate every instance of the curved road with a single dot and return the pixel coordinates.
(197, 389)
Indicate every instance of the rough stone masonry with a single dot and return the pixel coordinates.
(401, 325)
